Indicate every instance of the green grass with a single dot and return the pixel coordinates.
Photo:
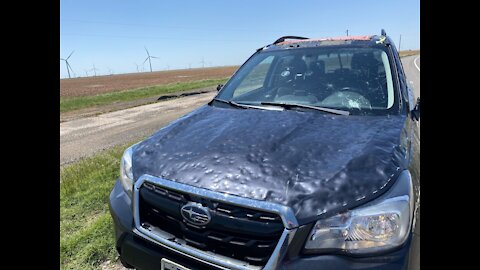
(75, 103)
(408, 53)
(86, 228)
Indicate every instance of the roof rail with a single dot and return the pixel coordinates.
(282, 39)
(383, 33)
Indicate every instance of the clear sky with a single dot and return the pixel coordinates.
(111, 34)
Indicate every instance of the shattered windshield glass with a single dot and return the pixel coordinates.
(355, 79)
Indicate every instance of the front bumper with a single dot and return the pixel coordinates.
(142, 254)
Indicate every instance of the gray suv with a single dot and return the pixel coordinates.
(307, 158)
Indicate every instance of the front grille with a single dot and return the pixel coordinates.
(237, 232)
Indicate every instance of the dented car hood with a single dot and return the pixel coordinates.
(313, 162)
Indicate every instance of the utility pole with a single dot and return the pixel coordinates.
(347, 32)
(399, 42)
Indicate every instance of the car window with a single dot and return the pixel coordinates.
(346, 78)
(401, 77)
(255, 78)
(335, 61)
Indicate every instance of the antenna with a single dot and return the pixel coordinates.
(149, 57)
(69, 68)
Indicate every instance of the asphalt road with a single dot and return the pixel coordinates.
(87, 136)
(411, 65)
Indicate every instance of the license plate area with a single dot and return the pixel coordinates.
(166, 264)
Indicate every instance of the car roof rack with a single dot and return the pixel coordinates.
(282, 39)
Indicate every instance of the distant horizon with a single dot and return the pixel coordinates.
(112, 35)
(135, 72)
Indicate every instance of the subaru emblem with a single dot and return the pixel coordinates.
(196, 214)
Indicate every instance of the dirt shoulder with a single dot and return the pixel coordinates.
(87, 136)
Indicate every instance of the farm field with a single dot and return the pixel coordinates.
(87, 86)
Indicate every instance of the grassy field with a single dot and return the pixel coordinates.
(86, 228)
(75, 103)
(409, 52)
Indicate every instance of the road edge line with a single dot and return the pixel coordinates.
(415, 62)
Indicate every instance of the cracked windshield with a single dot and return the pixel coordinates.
(353, 79)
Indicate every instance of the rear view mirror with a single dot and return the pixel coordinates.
(416, 111)
(219, 87)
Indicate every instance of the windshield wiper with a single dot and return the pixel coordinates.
(233, 103)
(239, 105)
(290, 105)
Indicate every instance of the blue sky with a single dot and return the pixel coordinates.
(112, 33)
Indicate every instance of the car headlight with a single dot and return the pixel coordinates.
(126, 172)
(377, 226)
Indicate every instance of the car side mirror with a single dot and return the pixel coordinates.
(416, 111)
(219, 87)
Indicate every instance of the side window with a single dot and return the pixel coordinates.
(256, 78)
(402, 78)
(346, 59)
(336, 61)
(331, 62)
(378, 55)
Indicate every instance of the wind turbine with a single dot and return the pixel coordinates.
(94, 70)
(110, 71)
(138, 70)
(67, 64)
(86, 73)
(203, 62)
(149, 57)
